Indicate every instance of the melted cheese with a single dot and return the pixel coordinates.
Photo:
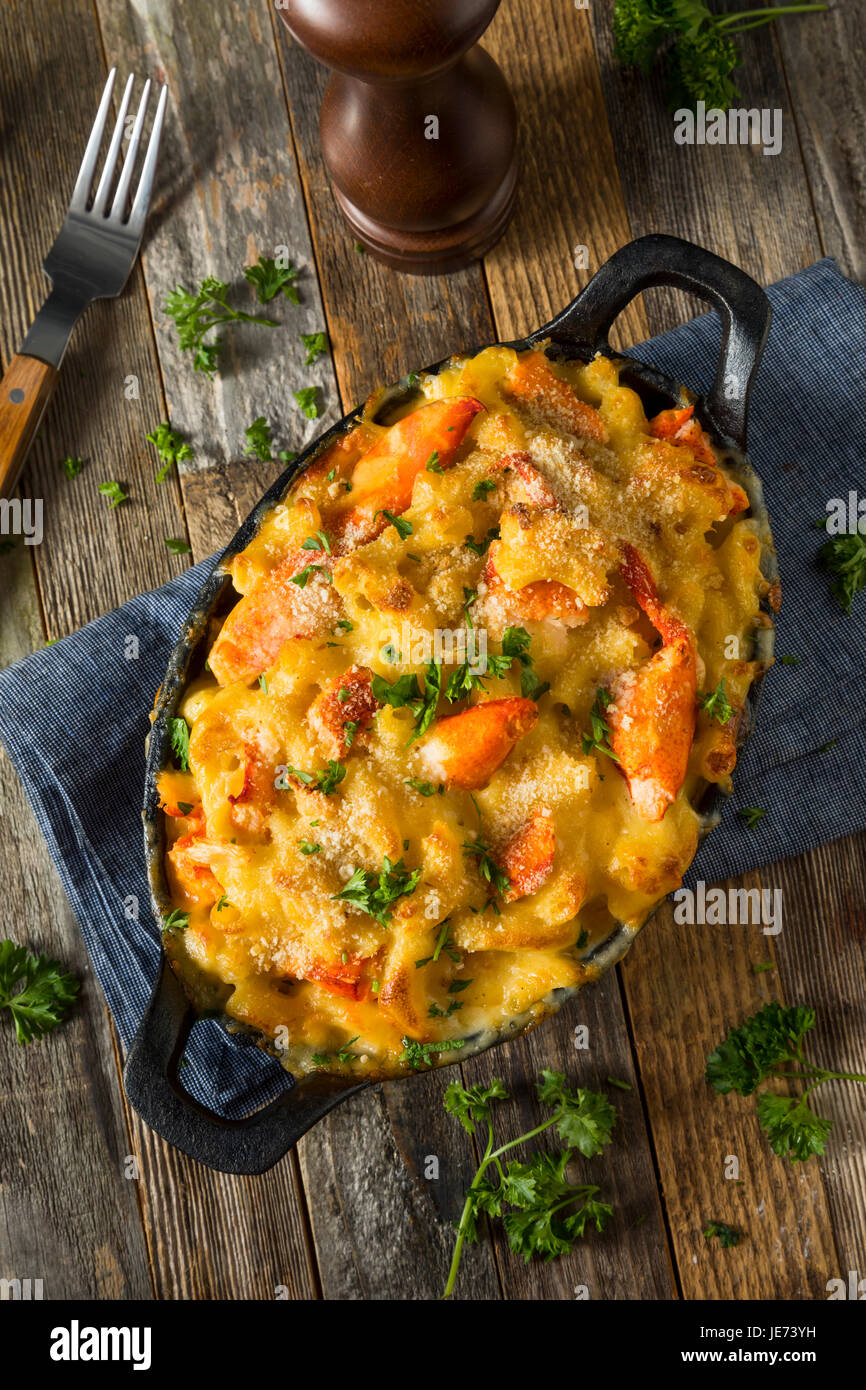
(258, 854)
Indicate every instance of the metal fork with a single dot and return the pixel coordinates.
(91, 259)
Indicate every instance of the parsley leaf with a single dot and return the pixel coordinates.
(326, 780)
(47, 992)
(433, 465)
(403, 528)
(316, 345)
(727, 1236)
(179, 735)
(715, 704)
(752, 815)
(481, 489)
(269, 279)
(406, 692)
(422, 788)
(417, 1055)
(486, 865)
(177, 547)
(376, 893)
(307, 404)
(170, 447)
(793, 1129)
(598, 740)
(480, 548)
(72, 465)
(114, 493)
(196, 314)
(844, 557)
(259, 441)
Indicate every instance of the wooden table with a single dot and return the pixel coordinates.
(351, 1213)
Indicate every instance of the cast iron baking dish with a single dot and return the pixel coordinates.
(151, 1076)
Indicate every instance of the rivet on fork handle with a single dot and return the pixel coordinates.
(25, 390)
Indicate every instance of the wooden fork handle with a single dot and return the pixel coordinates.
(26, 389)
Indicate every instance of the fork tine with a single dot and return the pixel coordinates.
(145, 184)
(101, 197)
(88, 164)
(118, 207)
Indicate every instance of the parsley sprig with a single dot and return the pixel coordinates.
(171, 448)
(196, 314)
(695, 44)
(46, 995)
(715, 704)
(486, 865)
(326, 780)
(754, 1052)
(270, 279)
(844, 558)
(406, 692)
(598, 739)
(376, 893)
(548, 1214)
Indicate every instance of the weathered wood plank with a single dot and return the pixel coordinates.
(824, 61)
(98, 413)
(227, 192)
(686, 986)
(822, 955)
(753, 209)
(569, 196)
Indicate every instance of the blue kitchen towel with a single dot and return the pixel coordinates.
(74, 716)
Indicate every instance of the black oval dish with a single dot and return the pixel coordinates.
(151, 1075)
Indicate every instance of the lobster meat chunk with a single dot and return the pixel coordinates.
(384, 477)
(652, 716)
(465, 749)
(295, 599)
(532, 380)
(527, 859)
(342, 714)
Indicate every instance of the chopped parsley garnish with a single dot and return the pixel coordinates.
(302, 577)
(417, 1055)
(307, 403)
(789, 660)
(433, 465)
(309, 847)
(403, 528)
(179, 736)
(434, 1010)
(113, 493)
(542, 1212)
(177, 546)
(406, 693)
(196, 314)
(316, 345)
(170, 447)
(270, 279)
(486, 865)
(72, 465)
(350, 729)
(422, 788)
(715, 704)
(325, 780)
(598, 741)
(481, 489)
(263, 683)
(443, 943)
(46, 995)
(480, 548)
(376, 893)
(726, 1234)
(319, 541)
(345, 625)
(259, 441)
(752, 815)
(175, 921)
(223, 902)
(844, 557)
(772, 1039)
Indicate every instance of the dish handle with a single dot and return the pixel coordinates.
(153, 1088)
(742, 305)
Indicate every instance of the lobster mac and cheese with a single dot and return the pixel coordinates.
(483, 663)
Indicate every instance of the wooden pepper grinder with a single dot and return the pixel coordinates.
(418, 127)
